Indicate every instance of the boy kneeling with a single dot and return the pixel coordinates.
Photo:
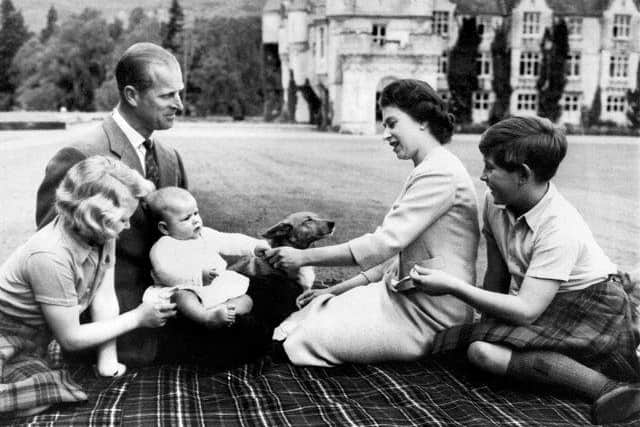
(554, 309)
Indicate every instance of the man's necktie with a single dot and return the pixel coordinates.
(151, 163)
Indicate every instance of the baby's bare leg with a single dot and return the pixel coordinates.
(189, 305)
(243, 304)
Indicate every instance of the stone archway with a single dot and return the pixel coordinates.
(362, 76)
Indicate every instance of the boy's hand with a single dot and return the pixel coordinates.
(261, 248)
(155, 315)
(306, 297)
(208, 275)
(433, 282)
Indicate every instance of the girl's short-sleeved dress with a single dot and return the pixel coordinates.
(52, 267)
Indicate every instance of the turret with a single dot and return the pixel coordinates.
(297, 21)
(270, 21)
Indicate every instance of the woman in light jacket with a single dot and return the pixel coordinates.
(434, 221)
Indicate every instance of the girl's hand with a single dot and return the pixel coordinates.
(285, 258)
(433, 282)
(306, 297)
(155, 315)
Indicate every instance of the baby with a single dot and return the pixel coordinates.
(188, 259)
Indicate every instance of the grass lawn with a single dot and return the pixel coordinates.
(247, 177)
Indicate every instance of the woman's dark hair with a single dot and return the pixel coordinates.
(422, 103)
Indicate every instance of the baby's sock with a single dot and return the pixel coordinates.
(557, 369)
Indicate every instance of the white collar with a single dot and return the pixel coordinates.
(134, 137)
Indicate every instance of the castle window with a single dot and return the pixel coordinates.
(621, 26)
(618, 66)
(530, 64)
(615, 104)
(531, 23)
(527, 102)
(570, 102)
(481, 100)
(441, 22)
(443, 62)
(484, 25)
(483, 64)
(574, 25)
(379, 34)
(573, 64)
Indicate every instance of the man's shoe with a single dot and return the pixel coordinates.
(617, 405)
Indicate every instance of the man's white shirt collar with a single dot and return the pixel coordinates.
(135, 139)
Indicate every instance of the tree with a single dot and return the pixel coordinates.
(51, 27)
(35, 78)
(226, 66)
(141, 28)
(116, 29)
(501, 83)
(173, 27)
(552, 80)
(462, 75)
(74, 61)
(12, 35)
(633, 100)
(593, 118)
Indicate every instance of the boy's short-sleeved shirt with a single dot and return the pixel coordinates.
(550, 241)
(53, 267)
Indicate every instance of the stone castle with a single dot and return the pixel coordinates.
(341, 53)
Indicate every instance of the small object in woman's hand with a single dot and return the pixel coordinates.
(403, 284)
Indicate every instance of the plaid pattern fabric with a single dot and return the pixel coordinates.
(437, 392)
(27, 379)
(592, 326)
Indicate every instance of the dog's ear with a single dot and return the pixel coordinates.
(281, 229)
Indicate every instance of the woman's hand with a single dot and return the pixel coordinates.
(306, 297)
(433, 282)
(285, 258)
(155, 314)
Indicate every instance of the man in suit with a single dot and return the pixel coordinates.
(149, 83)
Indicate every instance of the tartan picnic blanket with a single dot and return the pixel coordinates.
(434, 392)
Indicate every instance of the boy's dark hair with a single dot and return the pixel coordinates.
(535, 141)
(422, 103)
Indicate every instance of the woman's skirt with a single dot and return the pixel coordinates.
(592, 326)
(27, 378)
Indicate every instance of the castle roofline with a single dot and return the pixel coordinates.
(271, 6)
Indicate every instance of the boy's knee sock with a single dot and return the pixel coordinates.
(557, 369)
